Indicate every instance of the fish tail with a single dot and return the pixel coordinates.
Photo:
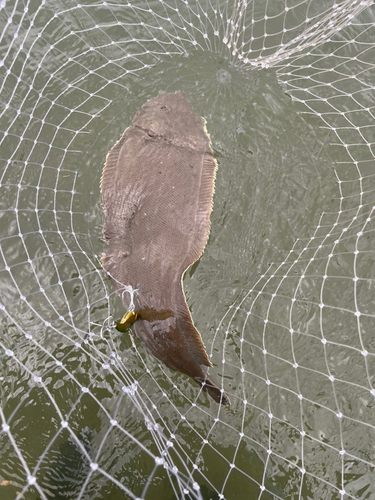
(209, 386)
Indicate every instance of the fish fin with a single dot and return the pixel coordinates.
(114, 263)
(209, 386)
(195, 345)
(202, 222)
(108, 179)
(192, 338)
(108, 189)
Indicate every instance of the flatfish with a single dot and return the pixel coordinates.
(157, 187)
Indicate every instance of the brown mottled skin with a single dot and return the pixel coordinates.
(157, 188)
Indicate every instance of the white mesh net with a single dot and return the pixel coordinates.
(283, 295)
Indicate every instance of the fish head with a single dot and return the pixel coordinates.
(171, 117)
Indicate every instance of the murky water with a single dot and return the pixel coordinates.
(276, 175)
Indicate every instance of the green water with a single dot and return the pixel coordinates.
(276, 175)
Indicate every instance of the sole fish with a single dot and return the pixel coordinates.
(157, 187)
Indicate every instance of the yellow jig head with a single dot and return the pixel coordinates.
(126, 321)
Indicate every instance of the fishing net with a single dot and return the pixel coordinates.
(283, 295)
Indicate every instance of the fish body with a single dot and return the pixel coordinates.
(157, 187)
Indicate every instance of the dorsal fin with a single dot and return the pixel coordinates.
(108, 179)
(192, 337)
